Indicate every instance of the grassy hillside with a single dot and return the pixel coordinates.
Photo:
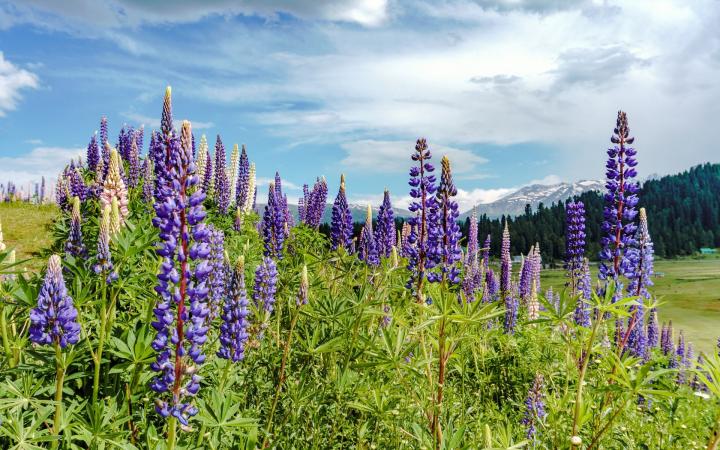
(25, 228)
(689, 290)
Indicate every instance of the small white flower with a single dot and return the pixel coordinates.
(702, 395)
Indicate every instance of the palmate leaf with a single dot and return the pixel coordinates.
(102, 426)
(22, 393)
(27, 430)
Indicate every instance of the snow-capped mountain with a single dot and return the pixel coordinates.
(514, 204)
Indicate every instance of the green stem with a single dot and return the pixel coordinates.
(172, 424)
(281, 381)
(715, 436)
(581, 377)
(596, 439)
(5, 340)
(101, 342)
(59, 380)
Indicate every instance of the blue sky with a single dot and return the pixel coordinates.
(514, 91)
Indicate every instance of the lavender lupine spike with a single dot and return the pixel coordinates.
(680, 358)
(444, 234)
(640, 259)
(222, 187)
(201, 158)
(104, 145)
(313, 203)
(486, 253)
(76, 184)
(265, 285)
(166, 121)
(148, 177)
(243, 179)
(534, 407)
(54, 319)
(385, 234)
(341, 225)
(273, 225)
(422, 190)
(574, 244)
(637, 340)
(208, 182)
(216, 277)
(492, 286)
(526, 275)
(506, 293)
(93, 153)
(666, 344)
(139, 136)
(472, 241)
(368, 251)
(133, 163)
(127, 134)
(533, 303)
(303, 292)
(404, 240)
(233, 331)
(584, 287)
(103, 260)
(653, 338)
(620, 201)
(234, 162)
(74, 245)
(114, 186)
(181, 310)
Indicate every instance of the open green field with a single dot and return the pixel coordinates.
(689, 292)
(25, 229)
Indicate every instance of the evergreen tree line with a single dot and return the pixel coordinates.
(683, 215)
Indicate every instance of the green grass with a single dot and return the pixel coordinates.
(25, 229)
(689, 292)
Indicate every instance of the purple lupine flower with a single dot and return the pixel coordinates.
(492, 286)
(216, 277)
(652, 329)
(139, 136)
(222, 186)
(637, 340)
(584, 288)
(104, 264)
(148, 177)
(208, 182)
(75, 245)
(233, 331)
(181, 311)
(62, 192)
(265, 285)
(405, 240)
(304, 289)
(314, 204)
(422, 190)
(104, 143)
(341, 225)
(243, 179)
(574, 244)
(54, 319)
(133, 163)
(76, 184)
(93, 153)
(368, 251)
(506, 293)
(273, 225)
(486, 253)
(620, 201)
(387, 316)
(526, 275)
(640, 260)
(680, 358)
(696, 384)
(666, 344)
(127, 136)
(444, 232)
(385, 233)
(472, 241)
(534, 407)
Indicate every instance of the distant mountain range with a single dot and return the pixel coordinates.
(513, 204)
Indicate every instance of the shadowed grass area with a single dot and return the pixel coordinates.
(689, 290)
(25, 229)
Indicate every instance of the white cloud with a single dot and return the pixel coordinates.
(393, 156)
(13, 80)
(39, 162)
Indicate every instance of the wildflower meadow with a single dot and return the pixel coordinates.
(175, 312)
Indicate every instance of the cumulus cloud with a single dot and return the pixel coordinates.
(13, 80)
(393, 156)
(39, 162)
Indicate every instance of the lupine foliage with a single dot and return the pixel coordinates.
(324, 348)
